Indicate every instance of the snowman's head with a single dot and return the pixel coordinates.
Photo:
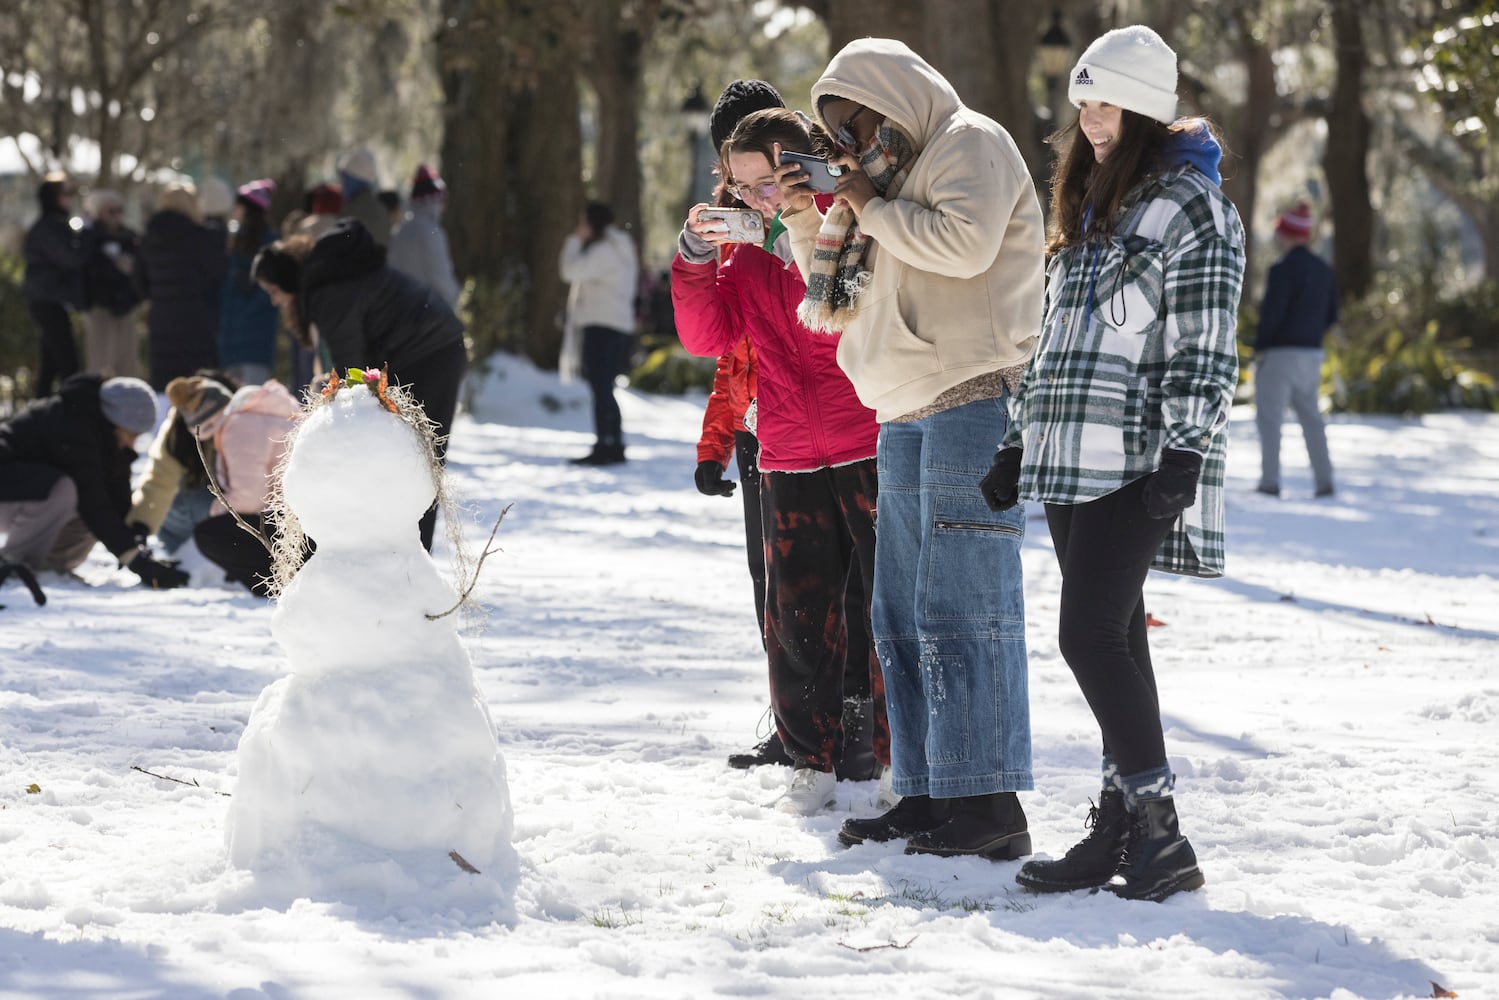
(358, 474)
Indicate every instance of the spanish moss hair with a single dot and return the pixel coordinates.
(291, 548)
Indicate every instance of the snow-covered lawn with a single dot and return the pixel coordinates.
(1332, 710)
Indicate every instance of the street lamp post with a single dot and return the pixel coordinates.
(695, 113)
(1055, 52)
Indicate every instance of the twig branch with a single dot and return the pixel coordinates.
(166, 777)
(474, 580)
(213, 487)
(878, 947)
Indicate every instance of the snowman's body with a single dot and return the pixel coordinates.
(379, 737)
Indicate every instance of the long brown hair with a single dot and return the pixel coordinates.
(760, 131)
(1078, 180)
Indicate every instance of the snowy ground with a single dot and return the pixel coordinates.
(1331, 708)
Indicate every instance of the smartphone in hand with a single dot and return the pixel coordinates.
(744, 225)
(823, 175)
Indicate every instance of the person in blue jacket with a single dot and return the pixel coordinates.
(247, 317)
(1300, 306)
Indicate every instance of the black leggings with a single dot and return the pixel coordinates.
(1104, 548)
(58, 348)
(235, 551)
(436, 381)
(747, 454)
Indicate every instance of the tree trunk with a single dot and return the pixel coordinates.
(617, 40)
(510, 149)
(1346, 158)
(1253, 130)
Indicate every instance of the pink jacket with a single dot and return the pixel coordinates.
(807, 415)
(250, 441)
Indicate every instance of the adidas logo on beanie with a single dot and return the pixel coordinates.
(1132, 68)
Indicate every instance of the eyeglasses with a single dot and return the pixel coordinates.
(844, 138)
(742, 191)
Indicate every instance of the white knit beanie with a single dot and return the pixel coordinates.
(1131, 68)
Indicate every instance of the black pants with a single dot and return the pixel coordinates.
(436, 381)
(232, 549)
(747, 455)
(1104, 548)
(819, 532)
(606, 355)
(59, 351)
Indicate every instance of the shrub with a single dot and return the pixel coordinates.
(1386, 370)
(668, 369)
(17, 338)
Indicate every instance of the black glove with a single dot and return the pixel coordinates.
(1172, 488)
(710, 480)
(155, 573)
(141, 532)
(1001, 487)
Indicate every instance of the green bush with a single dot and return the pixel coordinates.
(1387, 370)
(668, 369)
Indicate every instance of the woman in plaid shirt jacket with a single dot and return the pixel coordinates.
(1120, 426)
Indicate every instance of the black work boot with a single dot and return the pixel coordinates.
(991, 826)
(1090, 862)
(856, 761)
(1158, 860)
(769, 751)
(913, 814)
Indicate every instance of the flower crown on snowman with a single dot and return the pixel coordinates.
(377, 379)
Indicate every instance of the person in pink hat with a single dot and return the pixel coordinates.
(419, 245)
(247, 318)
(1299, 307)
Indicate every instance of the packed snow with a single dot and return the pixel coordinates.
(1330, 710)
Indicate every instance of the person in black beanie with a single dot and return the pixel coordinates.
(55, 253)
(368, 315)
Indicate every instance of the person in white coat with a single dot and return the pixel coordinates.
(600, 263)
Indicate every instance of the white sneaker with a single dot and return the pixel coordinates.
(888, 799)
(811, 791)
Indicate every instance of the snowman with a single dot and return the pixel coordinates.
(373, 766)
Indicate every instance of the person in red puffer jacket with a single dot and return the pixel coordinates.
(817, 461)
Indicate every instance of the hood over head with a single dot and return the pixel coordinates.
(885, 76)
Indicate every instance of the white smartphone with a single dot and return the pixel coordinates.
(744, 225)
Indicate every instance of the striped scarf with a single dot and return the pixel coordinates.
(839, 273)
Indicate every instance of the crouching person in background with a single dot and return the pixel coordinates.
(65, 478)
(173, 495)
(248, 436)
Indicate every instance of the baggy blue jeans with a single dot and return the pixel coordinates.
(949, 610)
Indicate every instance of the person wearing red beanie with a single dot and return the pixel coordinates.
(1299, 307)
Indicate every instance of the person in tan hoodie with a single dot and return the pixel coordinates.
(929, 263)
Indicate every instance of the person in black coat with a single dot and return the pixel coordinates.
(182, 271)
(368, 315)
(65, 478)
(55, 252)
(111, 337)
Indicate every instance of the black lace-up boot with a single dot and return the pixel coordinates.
(1092, 861)
(1158, 861)
(768, 751)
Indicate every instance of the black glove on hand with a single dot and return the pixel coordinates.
(156, 574)
(1172, 488)
(710, 480)
(141, 532)
(1001, 487)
